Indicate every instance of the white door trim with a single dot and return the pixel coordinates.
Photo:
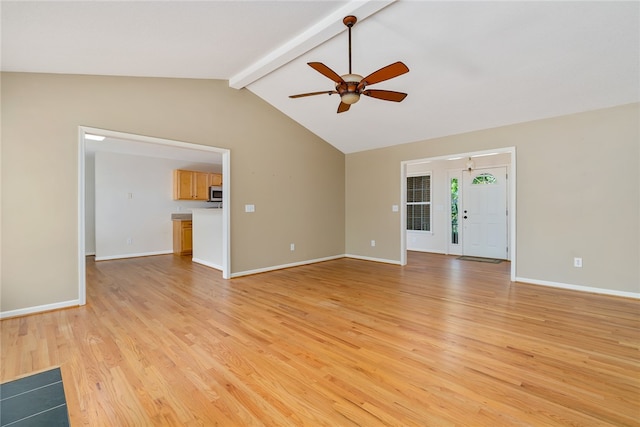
(226, 186)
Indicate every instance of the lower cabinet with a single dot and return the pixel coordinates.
(182, 237)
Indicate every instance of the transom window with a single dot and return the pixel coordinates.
(419, 203)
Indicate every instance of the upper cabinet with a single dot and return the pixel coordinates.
(192, 185)
(215, 179)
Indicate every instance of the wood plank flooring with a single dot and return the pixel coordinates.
(440, 342)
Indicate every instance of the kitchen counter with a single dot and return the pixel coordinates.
(181, 216)
(207, 237)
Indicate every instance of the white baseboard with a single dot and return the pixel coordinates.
(280, 267)
(75, 303)
(366, 258)
(39, 309)
(105, 258)
(429, 251)
(579, 288)
(207, 263)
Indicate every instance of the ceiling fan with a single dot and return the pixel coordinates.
(351, 86)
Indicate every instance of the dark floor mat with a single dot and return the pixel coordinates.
(33, 401)
(479, 259)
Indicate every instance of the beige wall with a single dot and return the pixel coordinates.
(577, 196)
(295, 179)
(577, 190)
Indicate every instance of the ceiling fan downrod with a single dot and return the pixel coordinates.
(348, 88)
(349, 21)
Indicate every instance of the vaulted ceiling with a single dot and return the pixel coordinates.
(474, 65)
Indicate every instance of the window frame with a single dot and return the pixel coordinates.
(427, 203)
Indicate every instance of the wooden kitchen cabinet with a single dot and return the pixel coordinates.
(182, 237)
(215, 179)
(190, 185)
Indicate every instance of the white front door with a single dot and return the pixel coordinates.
(484, 213)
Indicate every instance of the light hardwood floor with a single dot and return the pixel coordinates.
(440, 342)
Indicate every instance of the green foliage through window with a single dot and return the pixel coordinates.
(454, 210)
(484, 178)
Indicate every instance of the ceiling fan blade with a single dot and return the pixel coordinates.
(326, 71)
(387, 95)
(384, 73)
(343, 107)
(300, 95)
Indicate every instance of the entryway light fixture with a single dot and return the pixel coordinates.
(470, 164)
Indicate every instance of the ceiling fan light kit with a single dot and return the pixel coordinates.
(350, 86)
(349, 90)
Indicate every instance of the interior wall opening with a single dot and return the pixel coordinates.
(433, 218)
(146, 149)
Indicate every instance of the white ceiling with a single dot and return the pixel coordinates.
(474, 65)
(136, 147)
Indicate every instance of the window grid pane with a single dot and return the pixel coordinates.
(419, 217)
(419, 203)
(418, 189)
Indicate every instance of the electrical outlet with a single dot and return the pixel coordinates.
(129, 240)
(249, 208)
(373, 243)
(577, 262)
(129, 195)
(293, 246)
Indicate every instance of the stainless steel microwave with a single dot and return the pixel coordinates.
(215, 193)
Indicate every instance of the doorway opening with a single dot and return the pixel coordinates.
(449, 195)
(141, 145)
